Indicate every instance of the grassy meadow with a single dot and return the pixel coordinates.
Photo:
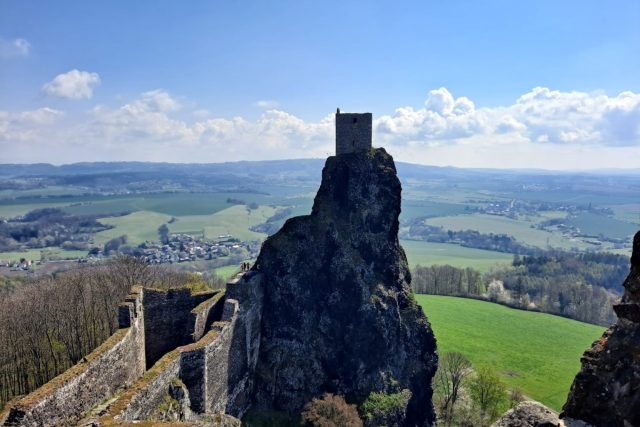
(536, 352)
(428, 253)
(520, 229)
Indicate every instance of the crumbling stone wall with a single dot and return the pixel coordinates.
(218, 370)
(245, 341)
(213, 373)
(203, 316)
(117, 363)
(141, 400)
(169, 322)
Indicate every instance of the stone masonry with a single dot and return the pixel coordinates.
(201, 363)
(353, 132)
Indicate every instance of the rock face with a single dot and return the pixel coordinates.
(528, 414)
(606, 391)
(338, 314)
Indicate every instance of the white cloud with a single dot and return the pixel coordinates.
(27, 126)
(13, 48)
(539, 116)
(542, 128)
(73, 84)
(266, 104)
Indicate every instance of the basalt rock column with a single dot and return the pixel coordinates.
(606, 391)
(338, 313)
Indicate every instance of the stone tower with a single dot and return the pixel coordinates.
(353, 132)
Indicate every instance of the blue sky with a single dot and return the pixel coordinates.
(259, 79)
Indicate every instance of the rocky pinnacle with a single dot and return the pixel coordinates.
(339, 315)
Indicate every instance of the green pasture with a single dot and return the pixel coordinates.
(52, 253)
(627, 212)
(428, 253)
(594, 225)
(536, 352)
(428, 208)
(227, 271)
(521, 230)
(174, 204)
(139, 227)
(235, 220)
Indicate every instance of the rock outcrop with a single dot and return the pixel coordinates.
(606, 391)
(528, 414)
(338, 314)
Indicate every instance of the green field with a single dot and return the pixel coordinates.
(227, 271)
(143, 226)
(594, 225)
(427, 253)
(536, 352)
(628, 212)
(139, 227)
(521, 230)
(174, 204)
(235, 220)
(53, 253)
(426, 208)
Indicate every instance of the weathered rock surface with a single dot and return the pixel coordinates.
(606, 391)
(338, 314)
(528, 414)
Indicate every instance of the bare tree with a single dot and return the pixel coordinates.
(51, 323)
(453, 368)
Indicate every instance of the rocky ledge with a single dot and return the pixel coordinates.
(606, 391)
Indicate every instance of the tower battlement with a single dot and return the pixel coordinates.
(353, 132)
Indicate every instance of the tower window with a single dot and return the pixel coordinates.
(355, 120)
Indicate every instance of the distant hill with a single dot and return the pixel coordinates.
(304, 172)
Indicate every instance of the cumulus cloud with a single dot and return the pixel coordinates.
(12, 48)
(27, 126)
(266, 104)
(541, 116)
(541, 128)
(74, 84)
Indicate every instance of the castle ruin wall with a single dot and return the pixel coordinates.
(245, 341)
(141, 401)
(113, 387)
(115, 364)
(203, 316)
(169, 322)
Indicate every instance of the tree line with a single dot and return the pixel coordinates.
(416, 229)
(579, 286)
(48, 227)
(50, 323)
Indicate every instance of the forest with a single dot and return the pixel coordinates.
(49, 227)
(578, 286)
(416, 229)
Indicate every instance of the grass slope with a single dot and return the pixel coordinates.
(235, 220)
(139, 227)
(537, 352)
(428, 253)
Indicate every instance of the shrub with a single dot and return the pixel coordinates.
(331, 411)
(383, 405)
